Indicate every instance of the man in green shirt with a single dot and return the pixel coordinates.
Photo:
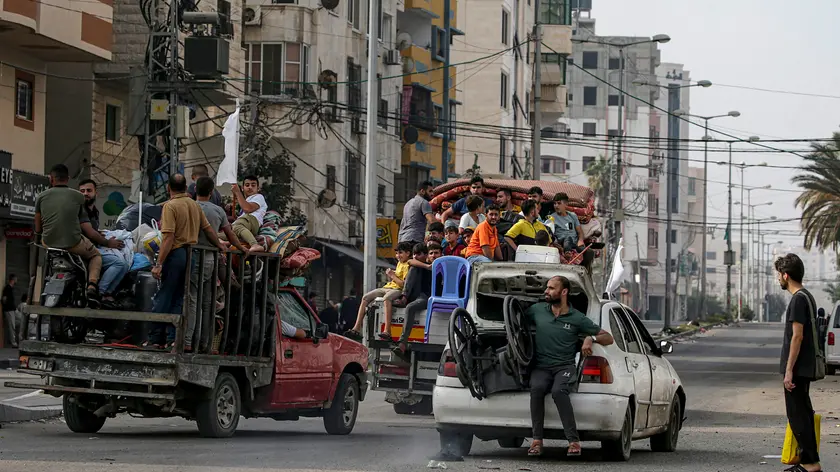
(559, 327)
(62, 222)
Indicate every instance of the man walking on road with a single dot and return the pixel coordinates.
(559, 328)
(799, 361)
(9, 310)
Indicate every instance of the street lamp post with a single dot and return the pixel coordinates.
(729, 258)
(744, 261)
(701, 307)
(619, 211)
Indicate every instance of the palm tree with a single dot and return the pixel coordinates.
(833, 290)
(599, 173)
(820, 197)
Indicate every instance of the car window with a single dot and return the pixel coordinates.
(631, 342)
(837, 317)
(618, 335)
(647, 340)
(292, 312)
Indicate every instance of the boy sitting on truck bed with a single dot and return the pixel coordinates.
(391, 291)
(418, 288)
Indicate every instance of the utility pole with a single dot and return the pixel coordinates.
(757, 306)
(729, 259)
(741, 250)
(444, 172)
(701, 305)
(371, 149)
(619, 209)
(536, 154)
(673, 156)
(638, 304)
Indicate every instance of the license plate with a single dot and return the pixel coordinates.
(40, 364)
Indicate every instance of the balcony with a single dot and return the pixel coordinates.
(552, 99)
(75, 31)
(422, 59)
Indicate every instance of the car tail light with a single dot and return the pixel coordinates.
(596, 370)
(391, 369)
(831, 339)
(447, 366)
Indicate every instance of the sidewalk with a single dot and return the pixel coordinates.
(25, 405)
(9, 358)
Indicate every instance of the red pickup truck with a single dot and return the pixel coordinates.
(245, 366)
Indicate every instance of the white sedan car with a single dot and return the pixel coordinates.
(625, 391)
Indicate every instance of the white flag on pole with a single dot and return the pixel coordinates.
(229, 167)
(617, 274)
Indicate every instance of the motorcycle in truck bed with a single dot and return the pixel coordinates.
(242, 364)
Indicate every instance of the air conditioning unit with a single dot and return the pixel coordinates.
(357, 126)
(393, 57)
(251, 15)
(355, 228)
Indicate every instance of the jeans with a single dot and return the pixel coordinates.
(569, 243)
(207, 305)
(170, 296)
(12, 323)
(800, 415)
(558, 381)
(114, 268)
(478, 258)
(411, 311)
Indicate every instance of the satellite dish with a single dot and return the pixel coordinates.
(326, 198)
(327, 79)
(411, 135)
(403, 41)
(329, 4)
(408, 65)
(248, 15)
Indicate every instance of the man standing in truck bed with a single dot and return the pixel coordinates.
(181, 220)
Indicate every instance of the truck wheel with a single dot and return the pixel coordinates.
(619, 449)
(79, 419)
(830, 369)
(217, 415)
(455, 444)
(340, 417)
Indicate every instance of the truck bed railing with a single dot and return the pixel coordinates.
(248, 323)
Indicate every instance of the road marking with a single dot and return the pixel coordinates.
(64, 466)
(21, 397)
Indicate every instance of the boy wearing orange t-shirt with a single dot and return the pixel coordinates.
(484, 244)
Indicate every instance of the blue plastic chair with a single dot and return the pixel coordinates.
(454, 275)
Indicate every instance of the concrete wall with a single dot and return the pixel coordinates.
(25, 140)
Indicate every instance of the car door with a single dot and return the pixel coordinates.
(636, 363)
(303, 373)
(662, 380)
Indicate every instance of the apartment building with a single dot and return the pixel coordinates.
(34, 35)
(498, 91)
(588, 130)
(422, 44)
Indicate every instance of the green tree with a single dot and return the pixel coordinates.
(833, 290)
(599, 173)
(820, 197)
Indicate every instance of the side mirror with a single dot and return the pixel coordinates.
(666, 347)
(321, 331)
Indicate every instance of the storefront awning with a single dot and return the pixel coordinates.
(354, 253)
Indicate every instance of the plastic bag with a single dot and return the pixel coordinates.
(138, 233)
(790, 449)
(151, 241)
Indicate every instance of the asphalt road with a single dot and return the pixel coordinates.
(735, 417)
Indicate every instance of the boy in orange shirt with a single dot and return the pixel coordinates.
(484, 244)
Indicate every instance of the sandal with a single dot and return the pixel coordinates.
(385, 336)
(574, 450)
(353, 334)
(536, 448)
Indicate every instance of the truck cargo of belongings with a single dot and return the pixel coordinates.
(581, 201)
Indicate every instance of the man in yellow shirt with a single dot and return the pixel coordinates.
(525, 230)
(390, 292)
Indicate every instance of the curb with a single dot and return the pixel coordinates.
(11, 413)
(689, 333)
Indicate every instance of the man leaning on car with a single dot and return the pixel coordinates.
(559, 327)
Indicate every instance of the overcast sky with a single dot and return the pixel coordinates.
(769, 44)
